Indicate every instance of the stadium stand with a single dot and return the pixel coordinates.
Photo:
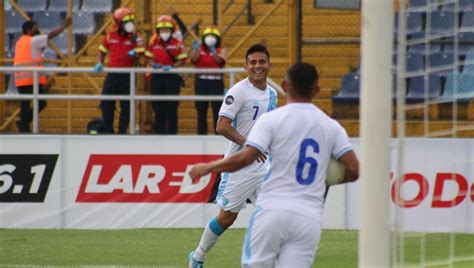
(61, 5)
(415, 62)
(417, 5)
(463, 5)
(84, 22)
(416, 88)
(346, 102)
(47, 20)
(98, 6)
(13, 22)
(442, 22)
(33, 5)
(334, 61)
(442, 60)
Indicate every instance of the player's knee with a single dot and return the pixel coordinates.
(226, 219)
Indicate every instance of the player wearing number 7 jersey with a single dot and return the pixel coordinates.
(243, 104)
(285, 228)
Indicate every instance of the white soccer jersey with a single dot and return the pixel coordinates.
(301, 140)
(244, 104)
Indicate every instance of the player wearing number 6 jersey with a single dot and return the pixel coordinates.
(243, 104)
(285, 228)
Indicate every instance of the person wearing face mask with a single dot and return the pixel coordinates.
(124, 46)
(29, 53)
(165, 52)
(208, 55)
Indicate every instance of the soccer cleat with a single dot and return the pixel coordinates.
(194, 263)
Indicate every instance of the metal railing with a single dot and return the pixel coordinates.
(36, 97)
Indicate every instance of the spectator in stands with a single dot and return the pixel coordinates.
(209, 54)
(124, 46)
(165, 52)
(28, 53)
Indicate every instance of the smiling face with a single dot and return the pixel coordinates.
(257, 67)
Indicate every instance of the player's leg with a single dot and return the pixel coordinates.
(303, 240)
(265, 235)
(234, 189)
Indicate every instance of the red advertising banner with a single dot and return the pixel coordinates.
(144, 179)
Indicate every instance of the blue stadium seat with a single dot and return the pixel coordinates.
(469, 61)
(61, 5)
(350, 88)
(417, 5)
(414, 22)
(98, 6)
(467, 22)
(33, 5)
(415, 62)
(465, 43)
(84, 22)
(13, 22)
(421, 49)
(464, 5)
(444, 61)
(61, 42)
(416, 88)
(442, 22)
(47, 21)
(465, 86)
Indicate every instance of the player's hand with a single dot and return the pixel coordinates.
(196, 45)
(199, 170)
(132, 53)
(67, 22)
(99, 67)
(262, 158)
(166, 67)
(155, 65)
(213, 50)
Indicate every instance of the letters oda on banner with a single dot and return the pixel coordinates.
(25, 178)
(145, 178)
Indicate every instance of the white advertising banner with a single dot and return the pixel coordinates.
(436, 187)
(142, 181)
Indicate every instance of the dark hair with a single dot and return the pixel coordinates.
(257, 48)
(303, 77)
(27, 25)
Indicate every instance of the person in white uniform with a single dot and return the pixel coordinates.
(285, 228)
(243, 104)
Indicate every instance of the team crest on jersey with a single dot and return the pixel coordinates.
(229, 100)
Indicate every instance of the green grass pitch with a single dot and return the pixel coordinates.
(170, 247)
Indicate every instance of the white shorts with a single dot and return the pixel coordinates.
(280, 238)
(235, 189)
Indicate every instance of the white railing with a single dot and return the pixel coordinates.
(132, 97)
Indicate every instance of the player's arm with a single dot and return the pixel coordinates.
(235, 162)
(351, 164)
(225, 128)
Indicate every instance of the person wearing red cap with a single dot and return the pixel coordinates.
(123, 45)
(209, 54)
(165, 52)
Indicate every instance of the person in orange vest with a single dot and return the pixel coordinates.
(209, 54)
(29, 53)
(124, 46)
(165, 52)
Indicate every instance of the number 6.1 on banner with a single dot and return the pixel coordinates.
(25, 178)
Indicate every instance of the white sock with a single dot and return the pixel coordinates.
(208, 239)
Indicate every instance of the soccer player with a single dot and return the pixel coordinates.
(285, 228)
(243, 104)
